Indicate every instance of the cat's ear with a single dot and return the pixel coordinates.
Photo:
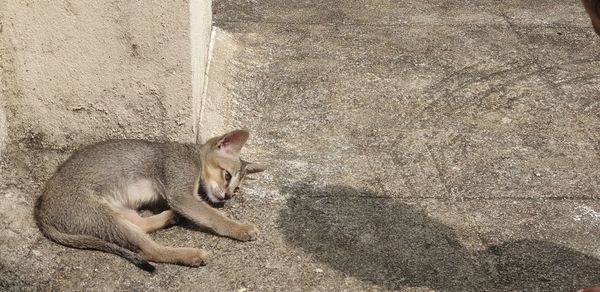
(254, 167)
(232, 142)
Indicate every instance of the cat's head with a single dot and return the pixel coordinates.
(222, 168)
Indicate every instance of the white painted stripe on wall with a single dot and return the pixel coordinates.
(204, 94)
(200, 35)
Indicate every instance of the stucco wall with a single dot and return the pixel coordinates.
(86, 71)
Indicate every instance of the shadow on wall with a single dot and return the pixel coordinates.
(395, 245)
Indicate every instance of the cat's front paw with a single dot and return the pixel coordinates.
(194, 257)
(246, 232)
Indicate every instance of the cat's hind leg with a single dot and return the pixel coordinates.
(150, 223)
(155, 252)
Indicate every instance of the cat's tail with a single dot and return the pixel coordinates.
(91, 242)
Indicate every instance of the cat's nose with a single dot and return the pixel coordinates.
(227, 196)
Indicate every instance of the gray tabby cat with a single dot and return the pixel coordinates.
(91, 200)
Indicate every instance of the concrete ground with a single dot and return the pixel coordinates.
(451, 146)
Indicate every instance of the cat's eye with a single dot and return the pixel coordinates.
(227, 176)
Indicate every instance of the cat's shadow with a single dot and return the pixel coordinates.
(395, 245)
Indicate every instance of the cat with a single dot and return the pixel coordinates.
(91, 200)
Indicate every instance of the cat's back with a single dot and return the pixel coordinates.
(112, 154)
(108, 162)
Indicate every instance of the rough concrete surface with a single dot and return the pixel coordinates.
(443, 146)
